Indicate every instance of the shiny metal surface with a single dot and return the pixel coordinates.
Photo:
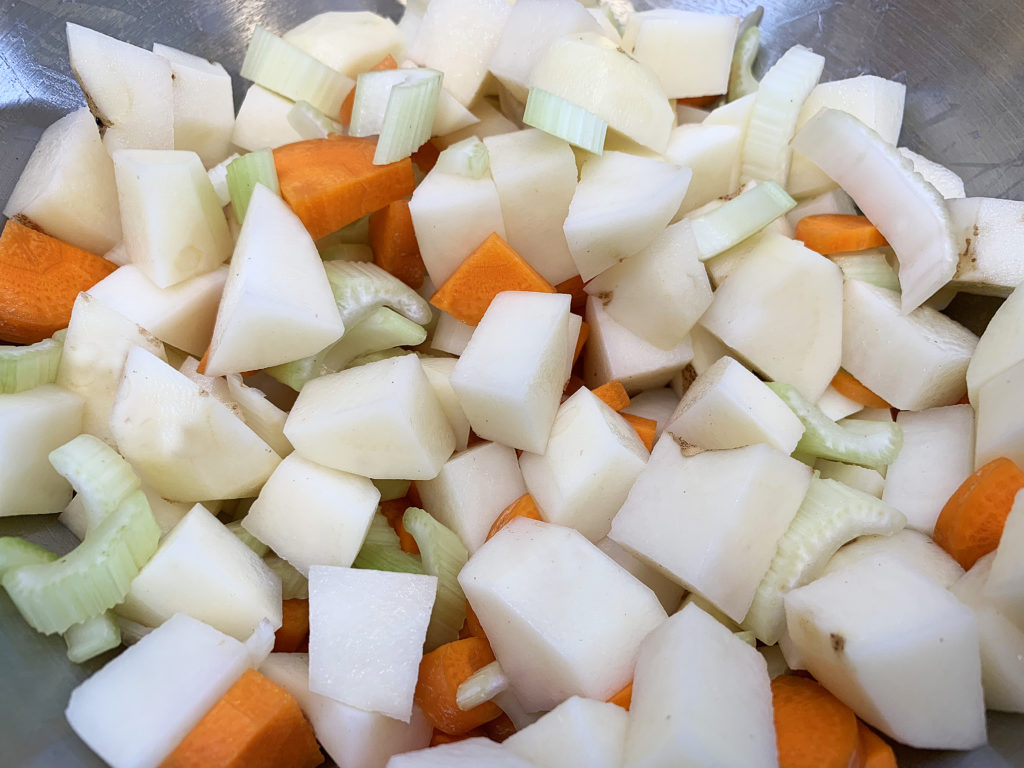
(965, 109)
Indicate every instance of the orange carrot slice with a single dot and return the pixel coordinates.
(847, 386)
(426, 157)
(492, 268)
(394, 245)
(613, 394)
(500, 728)
(472, 627)
(256, 724)
(624, 697)
(874, 752)
(971, 523)
(40, 278)
(645, 428)
(440, 737)
(580, 341)
(394, 510)
(574, 287)
(829, 233)
(293, 635)
(700, 102)
(813, 729)
(345, 113)
(442, 671)
(524, 506)
(330, 183)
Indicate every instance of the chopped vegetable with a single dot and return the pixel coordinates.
(568, 121)
(409, 116)
(482, 686)
(244, 173)
(443, 555)
(874, 751)
(812, 727)
(971, 523)
(468, 158)
(613, 394)
(442, 671)
(99, 473)
(624, 697)
(345, 113)
(847, 386)
(92, 637)
(524, 506)
(25, 367)
(739, 218)
(393, 241)
(645, 428)
(293, 636)
(741, 76)
(310, 123)
(382, 552)
(829, 233)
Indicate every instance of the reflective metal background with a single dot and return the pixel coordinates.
(965, 108)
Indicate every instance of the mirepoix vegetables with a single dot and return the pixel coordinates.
(537, 316)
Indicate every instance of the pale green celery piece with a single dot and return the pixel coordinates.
(360, 287)
(482, 686)
(382, 552)
(467, 158)
(409, 116)
(98, 473)
(346, 252)
(443, 555)
(373, 357)
(830, 515)
(871, 444)
(741, 75)
(245, 172)
(358, 232)
(298, 373)
(310, 123)
(23, 368)
(869, 267)
(294, 586)
(745, 215)
(747, 637)
(569, 122)
(16, 552)
(392, 489)
(92, 637)
(93, 577)
(247, 538)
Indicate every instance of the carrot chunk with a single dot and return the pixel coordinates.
(829, 233)
(500, 728)
(442, 671)
(645, 428)
(40, 278)
(472, 627)
(330, 183)
(524, 506)
(426, 157)
(440, 737)
(256, 724)
(293, 635)
(971, 523)
(492, 268)
(613, 394)
(574, 287)
(847, 386)
(580, 341)
(875, 752)
(394, 510)
(394, 245)
(624, 697)
(345, 113)
(813, 729)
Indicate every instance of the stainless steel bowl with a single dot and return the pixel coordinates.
(965, 109)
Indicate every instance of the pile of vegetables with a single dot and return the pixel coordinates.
(514, 385)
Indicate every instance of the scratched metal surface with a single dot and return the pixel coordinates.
(965, 108)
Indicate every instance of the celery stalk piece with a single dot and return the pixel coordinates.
(831, 514)
(745, 215)
(245, 172)
(293, 584)
(569, 122)
(23, 368)
(741, 76)
(482, 686)
(98, 473)
(382, 552)
(443, 555)
(467, 158)
(748, 637)
(279, 66)
(219, 179)
(871, 444)
(870, 266)
(310, 123)
(92, 637)
(16, 552)
(248, 539)
(93, 577)
(777, 104)
(409, 116)
(360, 287)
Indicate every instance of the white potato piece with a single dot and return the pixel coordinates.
(1000, 347)
(591, 461)
(691, 53)
(1005, 584)
(989, 232)
(668, 592)
(262, 416)
(908, 547)
(181, 440)
(535, 176)
(509, 378)
(875, 633)
(262, 121)
(181, 315)
(97, 344)
(348, 41)
(352, 737)
(203, 570)
(947, 183)
(712, 153)
(451, 336)
(439, 372)
(129, 89)
(173, 224)
(273, 310)
(366, 632)
(781, 309)
(578, 733)
(729, 407)
(591, 71)
(655, 404)
(936, 457)
(712, 520)
(701, 696)
(622, 203)
(837, 406)
(468, 753)
(204, 106)
(660, 292)
(378, 420)
(488, 121)
(136, 710)
(35, 422)
(312, 515)
(913, 361)
(67, 188)
(472, 489)
(615, 353)
(544, 595)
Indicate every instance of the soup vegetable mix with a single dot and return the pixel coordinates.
(515, 385)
